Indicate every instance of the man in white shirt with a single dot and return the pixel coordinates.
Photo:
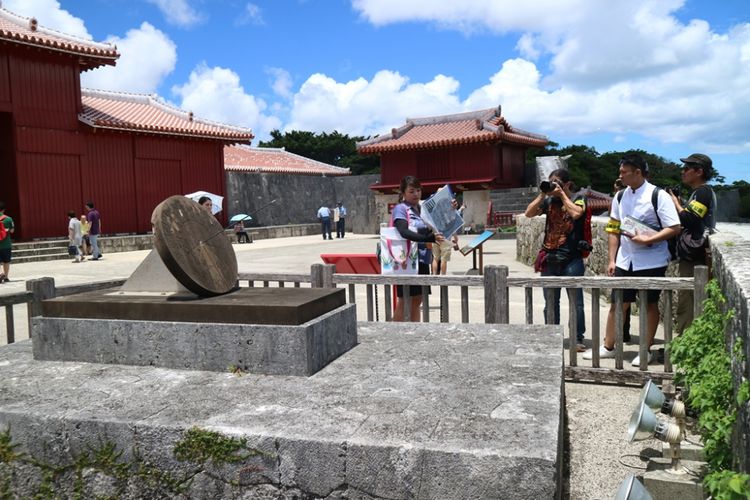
(640, 253)
(75, 237)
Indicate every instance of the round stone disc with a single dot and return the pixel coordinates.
(193, 246)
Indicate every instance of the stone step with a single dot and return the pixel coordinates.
(29, 252)
(40, 258)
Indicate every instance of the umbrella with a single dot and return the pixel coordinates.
(216, 200)
(240, 217)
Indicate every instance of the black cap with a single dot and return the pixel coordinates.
(698, 158)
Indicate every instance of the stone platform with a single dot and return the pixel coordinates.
(413, 411)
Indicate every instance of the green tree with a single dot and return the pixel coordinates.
(334, 149)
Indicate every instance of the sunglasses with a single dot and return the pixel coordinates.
(691, 166)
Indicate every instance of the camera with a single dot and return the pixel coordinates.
(584, 246)
(675, 190)
(547, 186)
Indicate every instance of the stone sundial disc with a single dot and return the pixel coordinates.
(193, 246)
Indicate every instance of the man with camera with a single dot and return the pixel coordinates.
(641, 220)
(563, 243)
(698, 220)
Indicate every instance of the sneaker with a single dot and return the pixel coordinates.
(580, 347)
(603, 353)
(637, 360)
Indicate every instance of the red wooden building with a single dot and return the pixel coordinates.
(478, 150)
(61, 146)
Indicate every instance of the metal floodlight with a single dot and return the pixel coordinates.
(644, 424)
(655, 399)
(632, 489)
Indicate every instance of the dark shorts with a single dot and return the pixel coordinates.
(414, 290)
(630, 295)
(5, 254)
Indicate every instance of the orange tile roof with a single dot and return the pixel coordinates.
(26, 31)
(276, 161)
(447, 130)
(148, 114)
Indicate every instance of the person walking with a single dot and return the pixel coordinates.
(341, 222)
(6, 242)
(96, 226)
(324, 216)
(75, 237)
(406, 215)
(698, 221)
(85, 229)
(563, 243)
(636, 252)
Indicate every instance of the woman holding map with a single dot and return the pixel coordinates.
(406, 218)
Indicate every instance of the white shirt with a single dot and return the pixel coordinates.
(638, 204)
(74, 232)
(324, 212)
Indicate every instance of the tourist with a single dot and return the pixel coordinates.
(6, 243)
(75, 237)
(698, 220)
(206, 203)
(324, 216)
(239, 231)
(96, 227)
(406, 215)
(563, 243)
(85, 228)
(640, 253)
(340, 219)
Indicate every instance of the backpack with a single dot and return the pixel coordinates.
(3, 229)
(671, 242)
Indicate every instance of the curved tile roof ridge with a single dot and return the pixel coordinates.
(484, 125)
(268, 168)
(157, 102)
(482, 114)
(29, 27)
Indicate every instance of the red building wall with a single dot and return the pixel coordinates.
(504, 162)
(52, 163)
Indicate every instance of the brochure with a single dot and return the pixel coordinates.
(437, 211)
(632, 226)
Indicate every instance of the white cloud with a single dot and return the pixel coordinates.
(178, 12)
(361, 107)
(50, 14)
(147, 56)
(281, 82)
(217, 94)
(252, 14)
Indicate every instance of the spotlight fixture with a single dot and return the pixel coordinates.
(655, 399)
(644, 424)
(632, 489)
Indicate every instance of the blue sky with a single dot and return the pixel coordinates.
(668, 76)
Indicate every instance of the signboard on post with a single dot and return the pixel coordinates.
(476, 245)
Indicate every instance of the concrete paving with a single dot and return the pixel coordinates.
(598, 415)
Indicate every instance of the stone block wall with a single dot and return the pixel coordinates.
(731, 260)
(298, 198)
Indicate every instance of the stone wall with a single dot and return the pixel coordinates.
(130, 243)
(298, 198)
(731, 259)
(731, 267)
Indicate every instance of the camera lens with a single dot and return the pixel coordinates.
(545, 186)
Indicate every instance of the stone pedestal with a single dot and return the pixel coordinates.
(291, 331)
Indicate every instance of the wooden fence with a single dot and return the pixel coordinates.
(495, 284)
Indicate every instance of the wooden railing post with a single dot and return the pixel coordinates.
(321, 275)
(42, 289)
(699, 290)
(496, 304)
